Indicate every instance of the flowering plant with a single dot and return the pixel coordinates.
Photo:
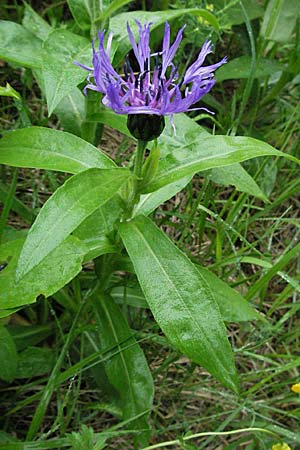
(157, 87)
(100, 214)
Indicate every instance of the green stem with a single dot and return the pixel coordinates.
(138, 167)
(139, 159)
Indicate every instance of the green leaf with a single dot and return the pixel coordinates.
(129, 296)
(19, 46)
(35, 361)
(157, 18)
(180, 299)
(28, 335)
(93, 230)
(97, 247)
(241, 68)
(192, 152)
(238, 177)
(60, 50)
(127, 369)
(114, 5)
(71, 112)
(149, 202)
(110, 118)
(45, 148)
(83, 12)
(73, 202)
(34, 23)
(233, 307)
(63, 263)
(279, 20)
(232, 13)
(8, 91)
(8, 356)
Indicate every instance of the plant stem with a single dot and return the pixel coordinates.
(138, 166)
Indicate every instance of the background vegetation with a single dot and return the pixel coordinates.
(51, 358)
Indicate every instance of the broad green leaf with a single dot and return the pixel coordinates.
(114, 5)
(35, 361)
(187, 133)
(179, 298)
(233, 307)
(149, 202)
(34, 23)
(84, 11)
(238, 177)
(19, 46)
(70, 205)
(127, 369)
(8, 312)
(93, 230)
(101, 222)
(64, 263)
(232, 13)
(60, 50)
(97, 247)
(280, 19)
(45, 148)
(71, 112)
(191, 153)
(110, 118)
(8, 356)
(241, 68)
(157, 18)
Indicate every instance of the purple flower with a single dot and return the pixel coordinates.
(156, 88)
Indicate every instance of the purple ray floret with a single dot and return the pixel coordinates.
(156, 88)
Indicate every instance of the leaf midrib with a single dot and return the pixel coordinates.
(62, 217)
(170, 282)
(120, 353)
(180, 167)
(56, 153)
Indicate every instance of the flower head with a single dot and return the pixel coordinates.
(156, 88)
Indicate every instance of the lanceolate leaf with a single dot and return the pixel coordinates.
(71, 111)
(73, 202)
(19, 46)
(34, 23)
(45, 148)
(233, 307)
(149, 202)
(236, 175)
(56, 270)
(179, 298)
(207, 153)
(127, 369)
(61, 49)
(81, 11)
